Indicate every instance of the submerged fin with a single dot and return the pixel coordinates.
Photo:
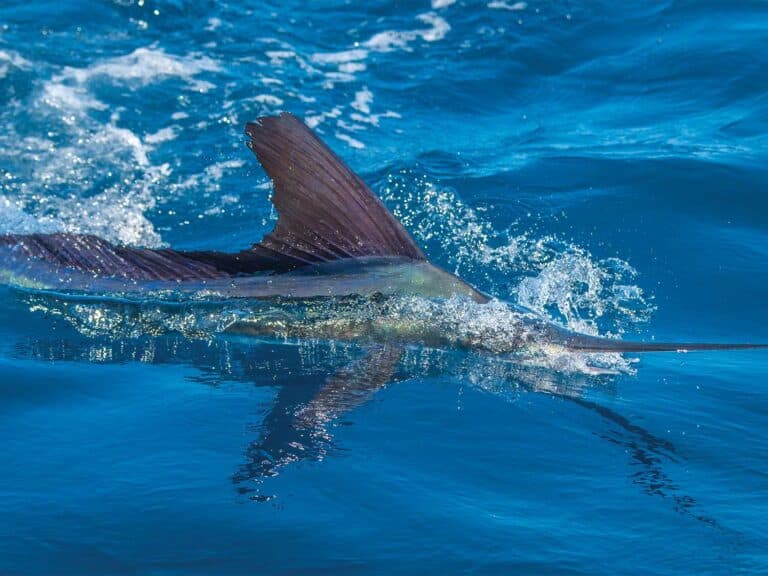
(325, 212)
(296, 426)
(350, 387)
(585, 343)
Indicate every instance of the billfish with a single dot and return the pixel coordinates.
(337, 266)
(334, 241)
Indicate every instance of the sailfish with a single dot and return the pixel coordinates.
(336, 259)
(334, 239)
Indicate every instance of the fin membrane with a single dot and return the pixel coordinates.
(325, 212)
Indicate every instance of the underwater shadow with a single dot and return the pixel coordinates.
(329, 380)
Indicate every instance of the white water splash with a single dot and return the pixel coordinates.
(501, 5)
(145, 66)
(555, 278)
(352, 142)
(390, 40)
(85, 175)
(342, 67)
(14, 220)
(209, 181)
(12, 59)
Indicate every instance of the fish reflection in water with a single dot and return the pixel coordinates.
(320, 383)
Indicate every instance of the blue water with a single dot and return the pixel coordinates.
(604, 163)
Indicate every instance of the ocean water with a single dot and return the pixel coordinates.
(602, 163)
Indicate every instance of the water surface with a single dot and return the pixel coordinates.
(601, 163)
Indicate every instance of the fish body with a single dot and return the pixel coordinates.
(335, 247)
(367, 276)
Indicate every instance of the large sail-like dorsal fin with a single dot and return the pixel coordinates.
(325, 212)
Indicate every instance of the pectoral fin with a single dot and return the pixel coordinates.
(296, 427)
(350, 387)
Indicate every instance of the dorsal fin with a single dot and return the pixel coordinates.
(325, 212)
